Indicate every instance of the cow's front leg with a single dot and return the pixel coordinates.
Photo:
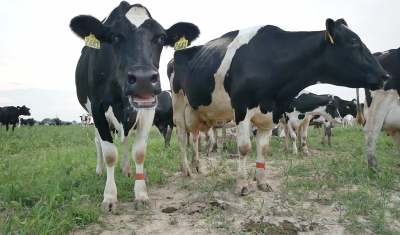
(7, 127)
(244, 145)
(13, 127)
(195, 156)
(99, 168)
(293, 137)
(323, 135)
(214, 139)
(125, 165)
(329, 134)
(262, 141)
(167, 136)
(303, 138)
(139, 153)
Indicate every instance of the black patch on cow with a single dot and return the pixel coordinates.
(301, 116)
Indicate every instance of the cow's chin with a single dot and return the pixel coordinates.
(138, 102)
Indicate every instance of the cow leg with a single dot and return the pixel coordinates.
(100, 167)
(224, 147)
(167, 136)
(293, 137)
(323, 135)
(251, 132)
(329, 134)
(396, 140)
(13, 127)
(182, 136)
(214, 139)
(195, 156)
(262, 142)
(125, 165)
(244, 145)
(139, 153)
(303, 137)
(7, 127)
(188, 137)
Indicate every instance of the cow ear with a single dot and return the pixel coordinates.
(330, 30)
(341, 21)
(179, 30)
(84, 25)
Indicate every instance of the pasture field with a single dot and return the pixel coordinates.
(48, 185)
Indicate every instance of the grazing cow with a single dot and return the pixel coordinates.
(120, 75)
(85, 119)
(382, 107)
(302, 110)
(252, 75)
(345, 108)
(29, 121)
(347, 120)
(10, 115)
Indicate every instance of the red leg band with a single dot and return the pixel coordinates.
(304, 144)
(260, 165)
(141, 176)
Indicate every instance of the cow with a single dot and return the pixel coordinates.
(252, 75)
(163, 118)
(29, 121)
(9, 115)
(382, 107)
(347, 121)
(85, 119)
(345, 107)
(73, 122)
(120, 75)
(301, 110)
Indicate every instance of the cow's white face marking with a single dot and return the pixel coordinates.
(88, 106)
(137, 15)
(117, 125)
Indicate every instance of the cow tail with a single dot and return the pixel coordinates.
(360, 118)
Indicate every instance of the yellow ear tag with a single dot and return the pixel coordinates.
(181, 44)
(330, 37)
(18, 108)
(347, 107)
(91, 41)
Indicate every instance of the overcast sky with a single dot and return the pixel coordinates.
(39, 53)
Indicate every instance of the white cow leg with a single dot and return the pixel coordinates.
(208, 143)
(224, 147)
(262, 141)
(110, 155)
(323, 134)
(195, 156)
(396, 140)
(182, 136)
(125, 165)
(139, 153)
(329, 134)
(293, 137)
(244, 145)
(214, 139)
(287, 135)
(100, 167)
(303, 137)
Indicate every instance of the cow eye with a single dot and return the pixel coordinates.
(353, 42)
(160, 39)
(114, 38)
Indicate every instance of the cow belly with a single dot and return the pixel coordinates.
(392, 120)
(220, 108)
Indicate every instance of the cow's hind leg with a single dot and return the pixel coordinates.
(100, 167)
(323, 135)
(214, 139)
(195, 156)
(293, 137)
(167, 136)
(139, 153)
(396, 140)
(125, 165)
(244, 145)
(329, 134)
(224, 147)
(262, 141)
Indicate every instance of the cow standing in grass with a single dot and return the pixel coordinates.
(122, 76)
(10, 115)
(252, 76)
(382, 107)
(86, 119)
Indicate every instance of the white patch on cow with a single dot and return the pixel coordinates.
(322, 111)
(88, 106)
(169, 92)
(318, 82)
(220, 108)
(137, 15)
(117, 125)
(303, 92)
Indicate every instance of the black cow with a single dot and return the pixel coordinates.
(121, 75)
(10, 114)
(382, 107)
(164, 116)
(29, 121)
(252, 75)
(302, 110)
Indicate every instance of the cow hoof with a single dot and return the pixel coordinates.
(265, 188)
(306, 153)
(167, 146)
(99, 171)
(294, 153)
(214, 150)
(330, 145)
(224, 147)
(140, 203)
(109, 206)
(186, 174)
(127, 173)
(241, 191)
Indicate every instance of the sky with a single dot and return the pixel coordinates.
(39, 53)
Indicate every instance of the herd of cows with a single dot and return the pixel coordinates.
(251, 79)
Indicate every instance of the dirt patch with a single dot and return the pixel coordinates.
(285, 227)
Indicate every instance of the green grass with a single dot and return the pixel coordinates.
(48, 183)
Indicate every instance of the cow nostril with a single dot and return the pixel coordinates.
(154, 78)
(132, 79)
(385, 77)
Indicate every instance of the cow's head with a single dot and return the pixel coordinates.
(347, 61)
(331, 113)
(351, 107)
(136, 40)
(23, 111)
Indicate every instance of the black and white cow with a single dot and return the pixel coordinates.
(252, 76)
(382, 107)
(122, 75)
(86, 119)
(9, 115)
(29, 121)
(302, 110)
(345, 107)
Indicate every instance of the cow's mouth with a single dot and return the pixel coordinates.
(143, 101)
